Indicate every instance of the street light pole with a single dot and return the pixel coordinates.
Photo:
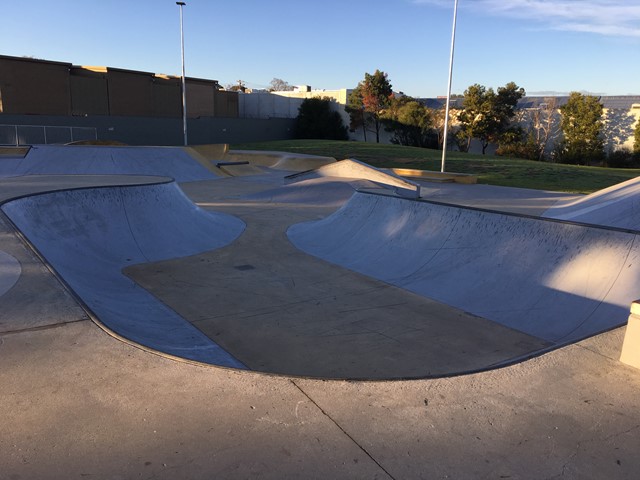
(446, 112)
(184, 90)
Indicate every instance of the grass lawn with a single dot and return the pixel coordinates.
(490, 169)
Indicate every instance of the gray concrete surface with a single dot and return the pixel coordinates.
(78, 403)
(279, 310)
(350, 168)
(616, 206)
(89, 235)
(502, 199)
(557, 281)
(97, 160)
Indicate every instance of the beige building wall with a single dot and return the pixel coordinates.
(226, 104)
(130, 92)
(30, 86)
(89, 91)
(340, 96)
(38, 87)
(166, 95)
(205, 100)
(200, 98)
(618, 126)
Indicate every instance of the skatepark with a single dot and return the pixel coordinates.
(203, 313)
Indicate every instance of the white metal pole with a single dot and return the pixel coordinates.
(184, 90)
(446, 112)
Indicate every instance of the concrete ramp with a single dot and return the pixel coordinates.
(90, 235)
(18, 152)
(171, 162)
(294, 162)
(555, 280)
(356, 169)
(616, 206)
(212, 152)
(327, 192)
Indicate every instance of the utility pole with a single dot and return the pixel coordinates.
(184, 89)
(446, 111)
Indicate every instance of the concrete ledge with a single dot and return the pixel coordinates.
(14, 151)
(631, 346)
(206, 160)
(436, 176)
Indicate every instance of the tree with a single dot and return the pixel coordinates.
(517, 142)
(368, 102)
(476, 119)
(316, 119)
(539, 127)
(376, 97)
(636, 140)
(437, 120)
(279, 85)
(410, 122)
(355, 108)
(487, 115)
(239, 87)
(545, 125)
(581, 125)
(507, 101)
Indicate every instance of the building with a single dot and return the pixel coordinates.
(620, 114)
(44, 101)
(40, 87)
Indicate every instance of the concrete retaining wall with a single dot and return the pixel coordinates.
(156, 131)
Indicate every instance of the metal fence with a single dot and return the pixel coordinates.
(44, 134)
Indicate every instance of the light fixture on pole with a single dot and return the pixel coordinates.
(446, 112)
(184, 90)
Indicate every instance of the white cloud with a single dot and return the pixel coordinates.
(604, 17)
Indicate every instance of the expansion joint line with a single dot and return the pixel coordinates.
(364, 450)
(126, 216)
(43, 327)
(606, 295)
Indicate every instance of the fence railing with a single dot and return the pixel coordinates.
(44, 134)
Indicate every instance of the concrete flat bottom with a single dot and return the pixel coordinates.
(279, 310)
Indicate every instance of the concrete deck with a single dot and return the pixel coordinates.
(97, 160)
(79, 403)
(617, 206)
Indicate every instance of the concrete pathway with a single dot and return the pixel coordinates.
(79, 404)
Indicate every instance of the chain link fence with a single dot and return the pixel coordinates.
(17, 135)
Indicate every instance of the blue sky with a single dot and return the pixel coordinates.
(542, 45)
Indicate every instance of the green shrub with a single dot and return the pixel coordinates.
(317, 120)
(623, 158)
